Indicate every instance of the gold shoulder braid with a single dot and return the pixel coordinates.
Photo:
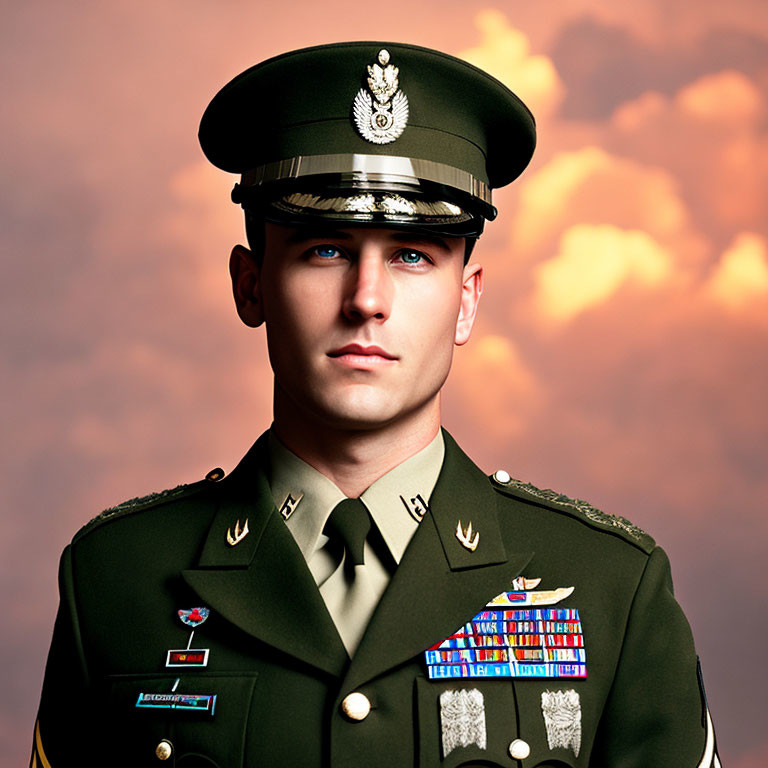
(593, 513)
(153, 499)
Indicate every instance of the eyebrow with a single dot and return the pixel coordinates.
(421, 237)
(306, 233)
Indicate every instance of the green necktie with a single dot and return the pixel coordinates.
(348, 526)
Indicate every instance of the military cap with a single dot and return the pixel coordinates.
(369, 132)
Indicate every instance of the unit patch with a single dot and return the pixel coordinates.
(462, 719)
(527, 642)
(562, 718)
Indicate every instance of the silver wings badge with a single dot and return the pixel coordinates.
(381, 115)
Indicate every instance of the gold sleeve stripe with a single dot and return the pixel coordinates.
(39, 751)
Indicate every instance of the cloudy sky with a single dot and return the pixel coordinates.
(621, 355)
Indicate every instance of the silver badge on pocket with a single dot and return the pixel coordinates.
(462, 719)
(562, 718)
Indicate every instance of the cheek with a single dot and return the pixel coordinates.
(432, 315)
(297, 309)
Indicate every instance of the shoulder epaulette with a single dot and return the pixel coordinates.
(575, 507)
(151, 500)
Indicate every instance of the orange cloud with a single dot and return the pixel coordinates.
(712, 134)
(591, 186)
(497, 387)
(727, 96)
(201, 227)
(593, 264)
(505, 53)
(741, 275)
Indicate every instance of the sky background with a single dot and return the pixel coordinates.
(621, 355)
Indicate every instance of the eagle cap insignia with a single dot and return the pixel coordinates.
(381, 112)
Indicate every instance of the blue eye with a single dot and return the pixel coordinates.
(327, 251)
(411, 257)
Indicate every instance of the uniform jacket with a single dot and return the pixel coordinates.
(279, 670)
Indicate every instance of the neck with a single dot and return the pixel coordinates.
(353, 457)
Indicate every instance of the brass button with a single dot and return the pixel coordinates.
(164, 750)
(519, 749)
(501, 476)
(356, 706)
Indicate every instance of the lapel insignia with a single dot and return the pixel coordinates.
(462, 719)
(239, 535)
(506, 640)
(465, 536)
(381, 113)
(562, 718)
(288, 507)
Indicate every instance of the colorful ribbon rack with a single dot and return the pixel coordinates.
(534, 642)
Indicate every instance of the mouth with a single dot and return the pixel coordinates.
(360, 354)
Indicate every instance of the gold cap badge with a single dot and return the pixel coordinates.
(381, 114)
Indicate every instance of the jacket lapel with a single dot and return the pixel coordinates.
(440, 584)
(262, 584)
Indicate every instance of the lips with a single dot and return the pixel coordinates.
(362, 351)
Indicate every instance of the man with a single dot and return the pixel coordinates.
(357, 592)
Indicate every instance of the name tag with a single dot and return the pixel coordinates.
(199, 702)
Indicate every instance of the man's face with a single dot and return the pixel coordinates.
(361, 323)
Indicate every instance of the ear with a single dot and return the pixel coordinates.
(246, 286)
(471, 290)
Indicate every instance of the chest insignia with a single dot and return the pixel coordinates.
(189, 656)
(510, 640)
(562, 718)
(462, 719)
(194, 617)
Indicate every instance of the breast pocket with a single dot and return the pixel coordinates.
(199, 722)
(463, 723)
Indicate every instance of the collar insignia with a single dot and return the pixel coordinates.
(288, 507)
(381, 112)
(416, 507)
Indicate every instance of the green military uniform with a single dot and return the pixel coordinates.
(510, 626)
(279, 669)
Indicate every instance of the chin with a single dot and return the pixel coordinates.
(368, 410)
(362, 417)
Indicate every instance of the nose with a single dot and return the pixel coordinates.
(369, 291)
